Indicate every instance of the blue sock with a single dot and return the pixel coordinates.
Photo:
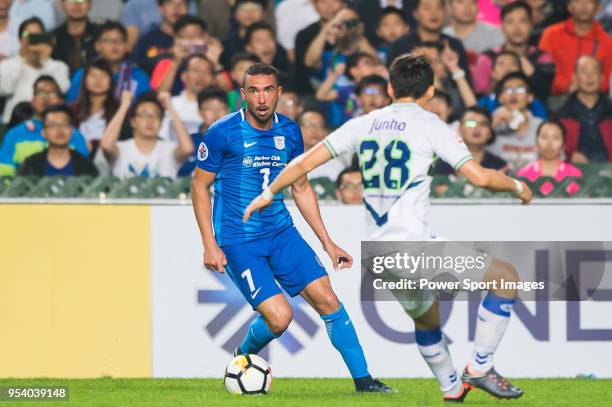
(344, 338)
(258, 336)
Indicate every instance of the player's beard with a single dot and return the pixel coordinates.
(263, 120)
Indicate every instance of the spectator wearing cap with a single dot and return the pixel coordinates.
(587, 116)
(158, 42)
(26, 138)
(245, 12)
(111, 45)
(18, 74)
(75, 38)
(579, 35)
(57, 158)
(349, 188)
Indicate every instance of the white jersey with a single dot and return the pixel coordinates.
(396, 146)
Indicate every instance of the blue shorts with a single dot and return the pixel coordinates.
(255, 267)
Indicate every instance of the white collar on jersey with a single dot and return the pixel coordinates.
(243, 116)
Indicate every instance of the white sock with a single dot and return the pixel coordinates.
(432, 346)
(493, 319)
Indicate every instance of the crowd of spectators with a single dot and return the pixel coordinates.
(126, 88)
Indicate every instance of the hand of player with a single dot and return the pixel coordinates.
(526, 195)
(257, 204)
(340, 258)
(214, 258)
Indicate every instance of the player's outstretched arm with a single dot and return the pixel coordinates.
(495, 181)
(214, 258)
(306, 200)
(296, 169)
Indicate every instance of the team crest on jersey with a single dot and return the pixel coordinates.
(247, 161)
(279, 142)
(202, 152)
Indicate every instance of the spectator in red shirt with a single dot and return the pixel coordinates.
(579, 35)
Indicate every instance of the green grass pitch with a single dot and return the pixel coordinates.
(305, 392)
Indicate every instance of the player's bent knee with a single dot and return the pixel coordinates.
(280, 320)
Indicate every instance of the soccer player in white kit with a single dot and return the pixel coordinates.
(396, 146)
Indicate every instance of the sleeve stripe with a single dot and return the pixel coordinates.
(331, 148)
(463, 161)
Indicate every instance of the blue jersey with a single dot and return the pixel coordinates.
(246, 160)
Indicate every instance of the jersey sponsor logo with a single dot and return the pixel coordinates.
(247, 161)
(279, 142)
(247, 145)
(255, 293)
(202, 152)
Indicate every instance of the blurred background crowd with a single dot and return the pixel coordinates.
(126, 88)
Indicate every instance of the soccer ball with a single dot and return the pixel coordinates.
(248, 374)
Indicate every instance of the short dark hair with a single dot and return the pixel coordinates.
(410, 75)
(261, 69)
(57, 109)
(242, 56)
(189, 20)
(347, 170)
(210, 93)
(262, 3)
(440, 94)
(516, 5)
(312, 109)
(371, 80)
(162, 2)
(47, 78)
(391, 10)
(31, 20)
(512, 54)
(111, 25)
(354, 59)
(512, 76)
(191, 57)
(483, 112)
(553, 122)
(260, 25)
(147, 97)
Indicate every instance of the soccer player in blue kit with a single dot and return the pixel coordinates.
(241, 154)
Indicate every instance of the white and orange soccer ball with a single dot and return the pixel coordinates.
(248, 374)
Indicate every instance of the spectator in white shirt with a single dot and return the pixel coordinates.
(199, 74)
(145, 155)
(17, 75)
